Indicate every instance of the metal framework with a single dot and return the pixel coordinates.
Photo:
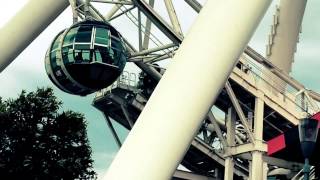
(247, 88)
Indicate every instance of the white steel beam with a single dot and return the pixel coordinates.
(221, 123)
(149, 70)
(257, 165)
(122, 2)
(173, 16)
(147, 32)
(113, 11)
(258, 117)
(25, 26)
(152, 50)
(73, 5)
(275, 161)
(162, 134)
(257, 160)
(240, 113)
(209, 151)
(217, 129)
(228, 168)
(190, 176)
(265, 170)
(243, 148)
(231, 128)
(139, 30)
(125, 11)
(158, 21)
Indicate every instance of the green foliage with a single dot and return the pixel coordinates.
(38, 142)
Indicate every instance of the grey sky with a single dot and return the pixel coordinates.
(27, 71)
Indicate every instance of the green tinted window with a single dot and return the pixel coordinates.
(86, 55)
(102, 36)
(53, 59)
(84, 34)
(98, 56)
(82, 46)
(56, 43)
(69, 38)
(70, 56)
(82, 55)
(67, 55)
(116, 44)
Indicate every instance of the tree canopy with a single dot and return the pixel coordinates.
(37, 141)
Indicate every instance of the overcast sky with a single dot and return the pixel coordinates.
(27, 71)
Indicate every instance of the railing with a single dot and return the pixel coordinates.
(261, 75)
(126, 80)
(277, 86)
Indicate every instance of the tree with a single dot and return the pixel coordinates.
(39, 142)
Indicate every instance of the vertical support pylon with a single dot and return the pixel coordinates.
(231, 128)
(174, 113)
(283, 39)
(257, 160)
(250, 170)
(265, 171)
(286, 35)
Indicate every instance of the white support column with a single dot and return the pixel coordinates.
(25, 26)
(258, 118)
(250, 170)
(283, 40)
(265, 171)
(231, 128)
(257, 161)
(171, 118)
(228, 168)
(287, 32)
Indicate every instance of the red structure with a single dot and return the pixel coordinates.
(287, 145)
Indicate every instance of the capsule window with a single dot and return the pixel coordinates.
(67, 55)
(82, 55)
(53, 60)
(70, 37)
(82, 46)
(102, 37)
(55, 45)
(84, 34)
(98, 56)
(86, 55)
(116, 43)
